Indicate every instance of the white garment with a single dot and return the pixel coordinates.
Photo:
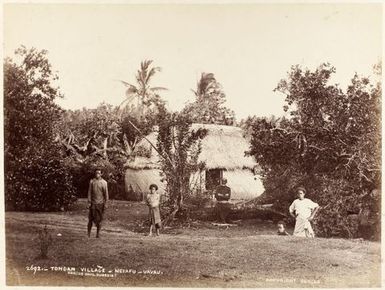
(303, 209)
(153, 199)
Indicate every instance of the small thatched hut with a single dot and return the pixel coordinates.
(223, 151)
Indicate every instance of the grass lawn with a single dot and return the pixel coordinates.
(202, 255)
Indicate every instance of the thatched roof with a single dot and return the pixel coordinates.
(140, 162)
(244, 184)
(223, 147)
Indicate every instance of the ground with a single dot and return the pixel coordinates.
(201, 255)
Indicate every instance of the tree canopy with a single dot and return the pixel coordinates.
(147, 96)
(35, 173)
(331, 143)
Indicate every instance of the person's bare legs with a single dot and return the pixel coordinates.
(89, 227)
(150, 234)
(157, 231)
(98, 226)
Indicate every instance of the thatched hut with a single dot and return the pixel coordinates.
(223, 152)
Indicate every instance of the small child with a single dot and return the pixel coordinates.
(281, 229)
(153, 201)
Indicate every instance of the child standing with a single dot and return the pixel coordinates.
(153, 201)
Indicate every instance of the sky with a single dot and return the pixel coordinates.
(248, 47)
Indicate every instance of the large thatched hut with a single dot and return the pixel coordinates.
(223, 152)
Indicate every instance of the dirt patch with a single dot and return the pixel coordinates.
(197, 255)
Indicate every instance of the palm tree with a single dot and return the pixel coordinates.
(142, 91)
(208, 106)
(205, 85)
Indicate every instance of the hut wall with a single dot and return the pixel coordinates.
(244, 184)
(139, 180)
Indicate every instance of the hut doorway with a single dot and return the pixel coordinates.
(213, 178)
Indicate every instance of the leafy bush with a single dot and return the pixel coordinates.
(41, 183)
(83, 172)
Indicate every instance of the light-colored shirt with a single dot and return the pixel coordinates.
(153, 199)
(97, 191)
(303, 208)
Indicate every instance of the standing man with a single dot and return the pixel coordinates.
(222, 195)
(303, 210)
(97, 201)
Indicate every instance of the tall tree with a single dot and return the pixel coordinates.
(139, 109)
(208, 107)
(35, 173)
(331, 144)
(29, 101)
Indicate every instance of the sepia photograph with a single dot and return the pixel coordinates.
(198, 144)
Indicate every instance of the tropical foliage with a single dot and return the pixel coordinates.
(331, 143)
(106, 136)
(35, 173)
(179, 147)
(142, 94)
(208, 107)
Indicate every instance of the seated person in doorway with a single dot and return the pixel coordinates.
(222, 195)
